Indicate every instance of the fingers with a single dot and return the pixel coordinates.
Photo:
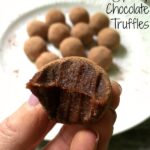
(84, 140)
(25, 128)
(104, 128)
(116, 91)
(73, 137)
(64, 138)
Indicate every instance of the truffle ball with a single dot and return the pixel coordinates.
(44, 59)
(53, 16)
(37, 28)
(58, 32)
(72, 47)
(98, 21)
(34, 46)
(83, 32)
(79, 14)
(101, 56)
(109, 37)
(73, 90)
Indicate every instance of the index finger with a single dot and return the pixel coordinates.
(25, 128)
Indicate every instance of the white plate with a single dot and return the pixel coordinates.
(132, 71)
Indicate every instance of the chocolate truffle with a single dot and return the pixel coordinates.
(101, 56)
(37, 28)
(98, 21)
(79, 14)
(58, 32)
(109, 37)
(45, 58)
(54, 16)
(83, 32)
(34, 46)
(72, 90)
(72, 46)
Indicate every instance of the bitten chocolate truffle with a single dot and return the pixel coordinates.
(72, 47)
(37, 28)
(58, 32)
(45, 58)
(34, 46)
(79, 14)
(98, 21)
(101, 56)
(72, 90)
(109, 37)
(83, 32)
(54, 16)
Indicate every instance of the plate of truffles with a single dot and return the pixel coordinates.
(87, 29)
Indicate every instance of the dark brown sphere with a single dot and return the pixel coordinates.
(79, 14)
(54, 16)
(102, 56)
(44, 59)
(37, 28)
(34, 46)
(72, 90)
(109, 37)
(98, 21)
(58, 32)
(72, 47)
(83, 32)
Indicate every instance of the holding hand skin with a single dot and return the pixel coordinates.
(27, 127)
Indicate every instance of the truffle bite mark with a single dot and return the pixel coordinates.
(72, 90)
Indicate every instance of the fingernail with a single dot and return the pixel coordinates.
(33, 100)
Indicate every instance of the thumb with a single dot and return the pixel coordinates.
(25, 128)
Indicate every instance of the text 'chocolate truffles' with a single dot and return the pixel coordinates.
(72, 90)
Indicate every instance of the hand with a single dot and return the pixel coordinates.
(26, 128)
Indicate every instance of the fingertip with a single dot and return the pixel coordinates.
(85, 140)
(116, 87)
(116, 92)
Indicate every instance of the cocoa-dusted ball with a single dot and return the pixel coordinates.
(45, 58)
(109, 37)
(83, 32)
(53, 16)
(58, 32)
(79, 14)
(98, 21)
(72, 90)
(37, 28)
(72, 47)
(34, 46)
(101, 56)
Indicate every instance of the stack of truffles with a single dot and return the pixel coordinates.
(86, 36)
